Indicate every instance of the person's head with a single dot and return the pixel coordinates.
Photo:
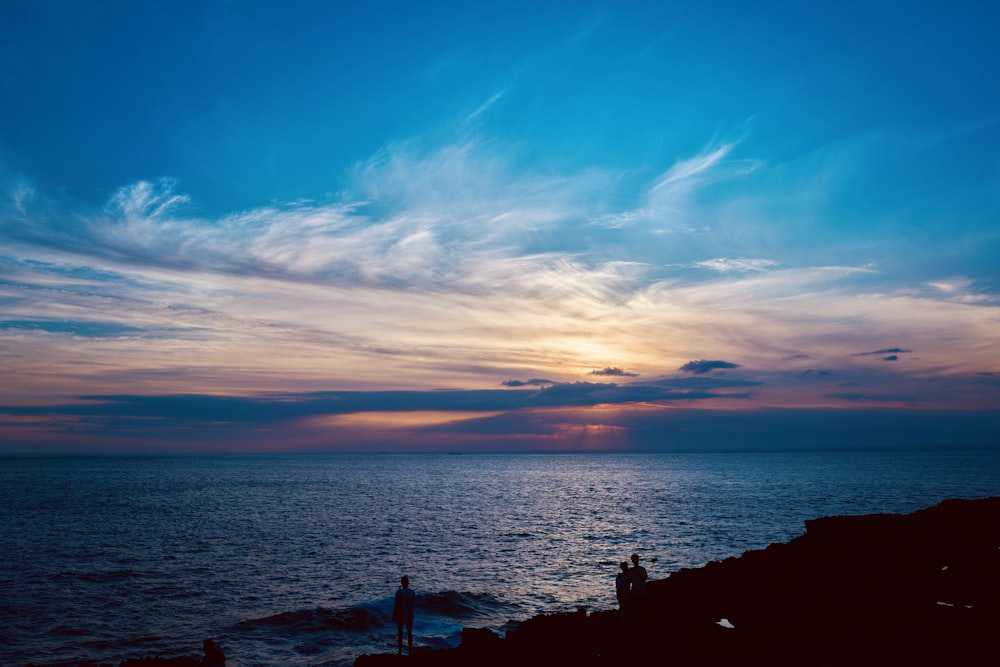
(635, 559)
(624, 566)
(405, 581)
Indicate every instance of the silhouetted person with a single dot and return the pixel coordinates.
(637, 593)
(623, 584)
(213, 655)
(402, 613)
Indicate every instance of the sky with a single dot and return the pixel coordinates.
(234, 226)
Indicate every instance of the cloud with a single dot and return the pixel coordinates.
(705, 366)
(672, 201)
(534, 382)
(86, 329)
(992, 379)
(890, 351)
(179, 412)
(613, 372)
(870, 397)
(481, 109)
(724, 265)
(440, 266)
(146, 199)
(684, 171)
(21, 193)
(705, 382)
(577, 393)
(676, 196)
(217, 426)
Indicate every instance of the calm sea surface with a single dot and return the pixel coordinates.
(293, 559)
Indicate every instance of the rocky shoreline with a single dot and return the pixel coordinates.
(882, 589)
(873, 590)
(213, 657)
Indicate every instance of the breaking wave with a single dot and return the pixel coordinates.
(367, 626)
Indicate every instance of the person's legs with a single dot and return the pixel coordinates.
(409, 638)
(399, 637)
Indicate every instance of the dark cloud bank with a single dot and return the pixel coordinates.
(704, 366)
(614, 372)
(666, 415)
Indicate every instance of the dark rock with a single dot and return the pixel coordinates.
(475, 639)
(213, 658)
(158, 661)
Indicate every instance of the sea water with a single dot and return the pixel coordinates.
(294, 559)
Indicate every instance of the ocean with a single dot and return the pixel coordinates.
(294, 559)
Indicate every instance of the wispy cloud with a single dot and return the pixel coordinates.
(20, 193)
(724, 265)
(482, 108)
(889, 350)
(443, 266)
(88, 329)
(684, 172)
(146, 200)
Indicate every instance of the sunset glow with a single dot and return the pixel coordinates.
(440, 228)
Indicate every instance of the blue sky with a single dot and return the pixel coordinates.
(263, 225)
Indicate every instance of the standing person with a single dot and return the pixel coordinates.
(637, 594)
(623, 584)
(402, 613)
(638, 575)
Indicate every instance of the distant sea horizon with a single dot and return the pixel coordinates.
(293, 558)
(859, 448)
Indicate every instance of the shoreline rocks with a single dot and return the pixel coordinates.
(881, 589)
(213, 657)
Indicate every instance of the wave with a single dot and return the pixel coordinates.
(373, 614)
(464, 606)
(367, 627)
(305, 621)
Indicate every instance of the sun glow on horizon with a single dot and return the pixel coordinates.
(389, 419)
(320, 264)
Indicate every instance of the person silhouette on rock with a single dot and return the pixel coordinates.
(402, 614)
(637, 593)
(214, 657)
(623, 585)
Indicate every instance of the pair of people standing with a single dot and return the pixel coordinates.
(630, 586)
(402, 614)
